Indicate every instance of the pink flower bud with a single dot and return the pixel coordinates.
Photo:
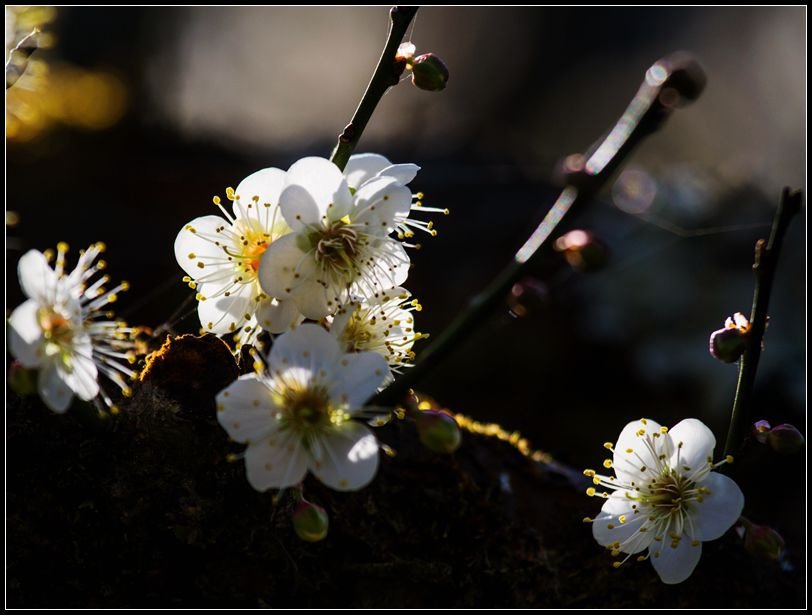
(761, 430)
(729, 344)
(582, 250)
(786, 439)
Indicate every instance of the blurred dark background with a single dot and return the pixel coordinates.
(135, 117)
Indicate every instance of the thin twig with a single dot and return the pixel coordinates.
(18, 57)
(386, 75)
(764, 267)
(671, 81)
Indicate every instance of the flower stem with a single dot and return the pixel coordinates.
(673, 80)
(764, 267)
(386, 75)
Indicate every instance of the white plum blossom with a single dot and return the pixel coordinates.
(65, 331)
(664, 496)
(222, 257)
(367, 168)
(340, 245)
(382, 324)
(296, 413)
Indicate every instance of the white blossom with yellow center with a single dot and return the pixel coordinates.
(382, 324)
(340, 246)
(296, 413)
(664, 496)
(222, 257)
(64, 330)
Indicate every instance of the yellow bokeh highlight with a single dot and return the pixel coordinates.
(46, 96)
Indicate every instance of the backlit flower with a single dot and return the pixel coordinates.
(222, 257)
(664, 496)
(340, 246)
(364, 168)
(296, 413)
(64, 331)
(382, 324)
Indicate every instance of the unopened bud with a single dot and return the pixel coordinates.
(582, 250)
(761, 430)
(22, 380)
(786, 439)
(762, 541)
(729, 344)
(438, 431)
(526, 296)
(310, 521)
(429, 72)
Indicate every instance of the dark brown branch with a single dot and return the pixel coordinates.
(764, 267)
(671, 81)
(386, 75)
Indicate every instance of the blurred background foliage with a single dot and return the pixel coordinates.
(124, 128)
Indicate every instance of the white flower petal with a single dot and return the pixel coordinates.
(299, 208)
(674, 564)
(221, 315)
(341, 206)
(719, 509)
(53, 389)
(308, 346)
(275, 462)
(356, 378)
(321, 178)
(277, 316)
(342, 318)
(83, 375)
(25, 334)
(362, 167)
(282, 267)
(349, 457)
(266, 184)
(693, 445)
(245, 409)
(637, 464)
(37, 279)
(608, 529)
(378, 203)
(195, 244)
(404, 173)
(313, 300)
(390, 268)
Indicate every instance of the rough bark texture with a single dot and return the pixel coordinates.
(145, 510)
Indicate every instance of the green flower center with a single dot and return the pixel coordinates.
(671, 493)
(307, 409)
(335, 247)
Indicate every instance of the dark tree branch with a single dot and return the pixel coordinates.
(386, 75)
(671, 81)
(764, 267)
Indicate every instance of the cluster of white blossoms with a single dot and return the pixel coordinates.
(664, 496)
(65, 331)
(310, 243)
(301, 244)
